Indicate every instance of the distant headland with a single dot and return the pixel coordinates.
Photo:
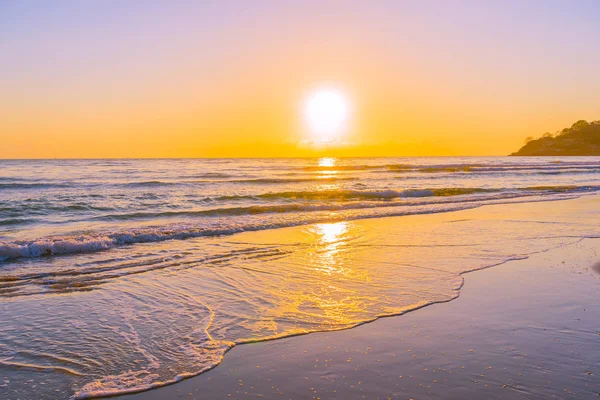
(581, 139)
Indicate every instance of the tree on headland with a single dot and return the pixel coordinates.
(580, 124)
(581, 139)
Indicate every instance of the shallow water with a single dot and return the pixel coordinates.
(168, 296)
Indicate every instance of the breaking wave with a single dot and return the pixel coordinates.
(296, 214)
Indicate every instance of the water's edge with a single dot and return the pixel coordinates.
(407, 310)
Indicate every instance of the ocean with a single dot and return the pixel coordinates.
(123, 275)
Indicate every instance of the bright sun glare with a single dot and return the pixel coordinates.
(327, 112)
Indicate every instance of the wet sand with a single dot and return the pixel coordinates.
(525, 329)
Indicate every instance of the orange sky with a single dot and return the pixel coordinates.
(174, 80)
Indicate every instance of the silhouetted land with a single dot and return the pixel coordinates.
(581, 139)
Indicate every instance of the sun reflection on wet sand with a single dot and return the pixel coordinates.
(331, 233)
(330, 241)
(335, 300)
(333, 254)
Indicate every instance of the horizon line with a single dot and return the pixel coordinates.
(250, 158)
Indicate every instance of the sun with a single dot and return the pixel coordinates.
(326, 113)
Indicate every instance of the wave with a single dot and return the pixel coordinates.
(466, 168)
(389, 167)
(326, 168)
(91, 242)
(399, 167)
(105, 240)
(542, 168)
(247, 181)
(209, 175)
(32, 185)
(568, 171)
(372, 194)
(457, 168)
(561, 189)
(16, 221)
(39, 368)
(293, 180)
(27, 209)
(383, 195)
(476, 168)
(239, 211)
(149, 183)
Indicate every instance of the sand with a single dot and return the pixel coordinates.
(527, 329)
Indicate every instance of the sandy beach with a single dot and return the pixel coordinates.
(521, 330)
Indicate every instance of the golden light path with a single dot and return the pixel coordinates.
(326, 162)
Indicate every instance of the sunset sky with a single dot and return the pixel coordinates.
(231, 78)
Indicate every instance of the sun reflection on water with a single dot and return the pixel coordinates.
(326, 162)
(328, 165)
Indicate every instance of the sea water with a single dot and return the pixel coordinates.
(122, 275)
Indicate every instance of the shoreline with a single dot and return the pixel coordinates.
(249, 361)
(198, 380)
(292, 336)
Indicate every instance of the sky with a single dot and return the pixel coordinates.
(87, 79)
